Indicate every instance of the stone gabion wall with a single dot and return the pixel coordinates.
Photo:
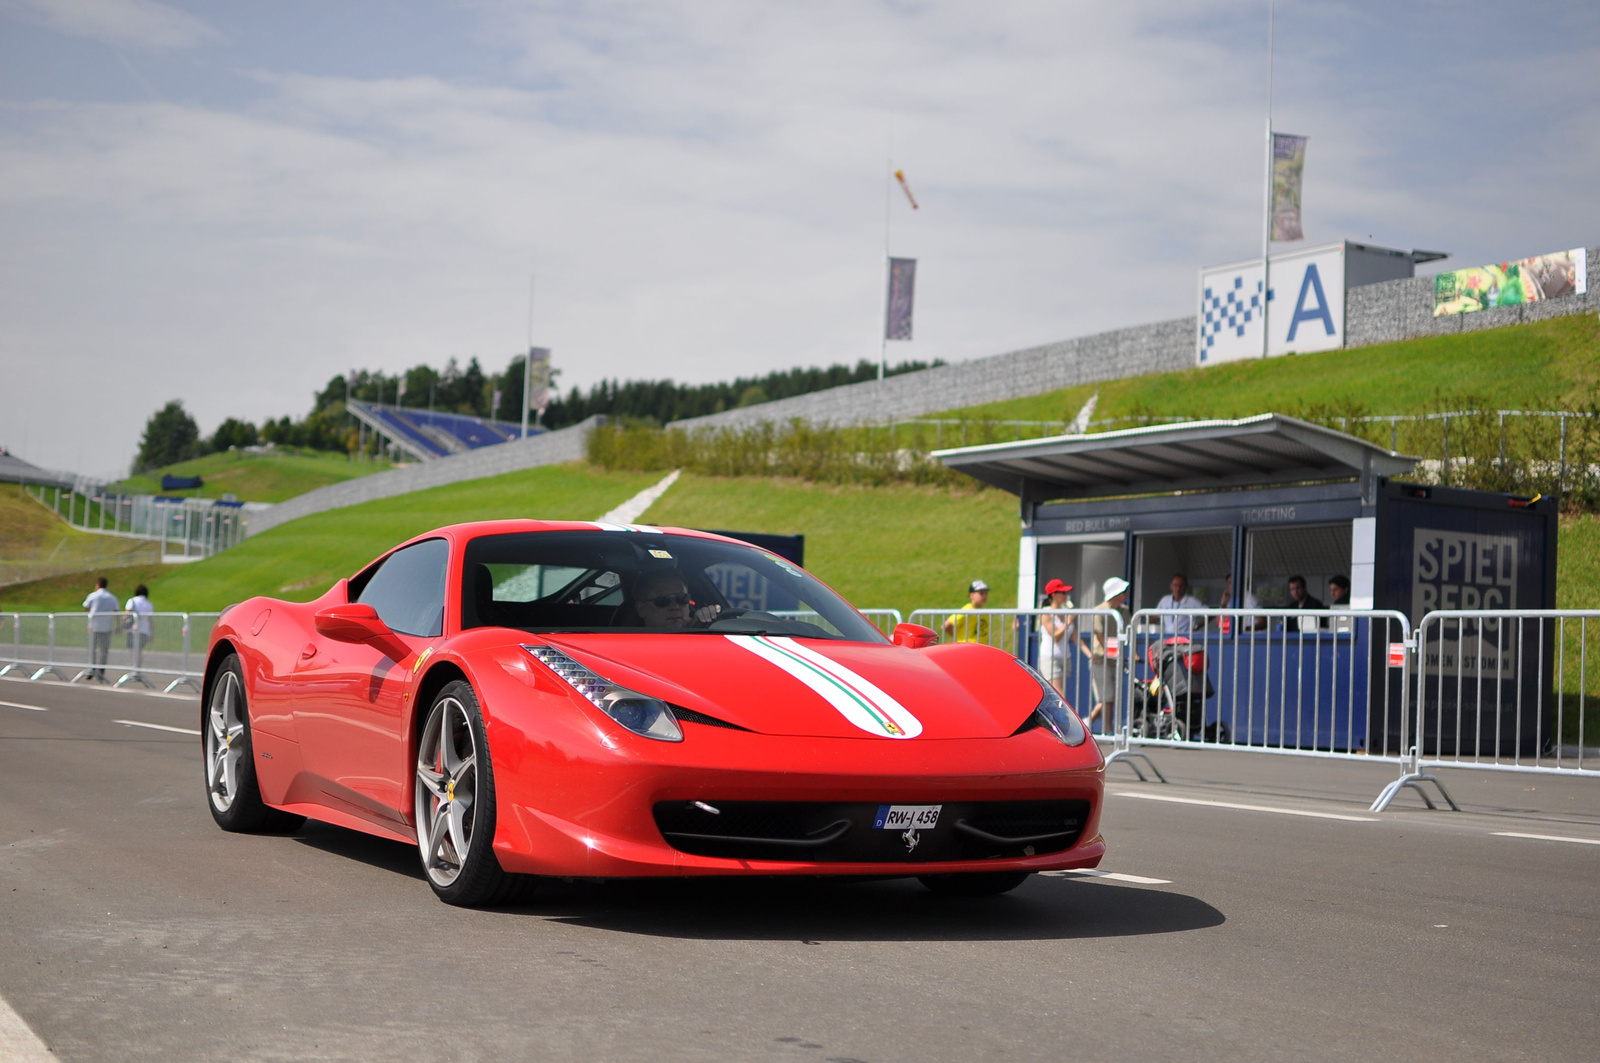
(549, 448)
(1375, 313)
(1158, 348)
(1403, 310)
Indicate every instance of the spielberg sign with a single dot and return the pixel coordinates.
(1465, 570)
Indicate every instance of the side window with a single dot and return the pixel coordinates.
(408, 589)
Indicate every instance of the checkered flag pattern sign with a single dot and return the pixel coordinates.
(1226, 310)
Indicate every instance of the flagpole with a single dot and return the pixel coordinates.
(1266, 228)
(888, 195)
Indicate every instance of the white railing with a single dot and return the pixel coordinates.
(1500, 690)
(1323, 683)
(151, 649)
(184, 527)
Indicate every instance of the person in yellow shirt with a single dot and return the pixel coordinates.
(971, 628)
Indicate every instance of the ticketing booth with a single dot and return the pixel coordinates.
(1250, 503)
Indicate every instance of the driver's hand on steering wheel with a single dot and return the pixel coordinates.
(705, 614)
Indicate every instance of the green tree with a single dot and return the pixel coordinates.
(169, 436)
(233, 433)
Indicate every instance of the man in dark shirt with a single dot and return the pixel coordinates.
(1299, 598)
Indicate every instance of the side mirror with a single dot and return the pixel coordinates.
(359, 622)
(914, 636)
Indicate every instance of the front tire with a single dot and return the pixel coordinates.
(975, 884)
(455, 803)
(230, 770)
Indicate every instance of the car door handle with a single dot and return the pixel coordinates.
(309, 652)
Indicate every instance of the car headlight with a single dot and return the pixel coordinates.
(639, 713)
(1054, 712)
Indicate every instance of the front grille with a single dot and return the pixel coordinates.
(824, 832)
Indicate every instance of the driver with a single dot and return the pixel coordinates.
(663, 601)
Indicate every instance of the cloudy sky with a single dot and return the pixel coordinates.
(229, 203)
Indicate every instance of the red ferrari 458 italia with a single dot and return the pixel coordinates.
(587, 700)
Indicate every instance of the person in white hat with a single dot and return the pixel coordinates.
(1103, 660)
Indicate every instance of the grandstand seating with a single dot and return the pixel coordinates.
(427, 434)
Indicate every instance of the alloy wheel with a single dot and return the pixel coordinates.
(447, 779)
(225, 741)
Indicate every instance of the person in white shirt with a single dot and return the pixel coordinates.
(1180, 598)
(138, 609)
(103, 610)
(1060, 632)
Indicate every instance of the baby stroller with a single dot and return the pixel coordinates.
(1171, 703)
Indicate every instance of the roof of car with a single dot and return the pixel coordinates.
(477, 528)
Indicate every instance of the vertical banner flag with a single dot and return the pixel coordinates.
(1288, 165)
(538, 378)
(902, 285)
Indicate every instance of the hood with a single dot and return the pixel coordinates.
(819, 688)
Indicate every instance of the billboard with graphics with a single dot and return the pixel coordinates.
(1527, 280)
(1306, 306)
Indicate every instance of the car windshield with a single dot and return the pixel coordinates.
(626, 581)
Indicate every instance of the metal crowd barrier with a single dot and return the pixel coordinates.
(885, 620)
(1320, 683)
(1500, 690)
(1316, 683)
(151, 649)
(1082, 658)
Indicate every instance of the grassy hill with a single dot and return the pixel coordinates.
(299, 560)
(255, 477)
(35, 543)
(898, 547)
(1536, 366)
(893, 546)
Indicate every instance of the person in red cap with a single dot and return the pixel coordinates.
(1060, 636)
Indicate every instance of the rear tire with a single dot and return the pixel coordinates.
(976, 883)
(230, 769)
(455, 803)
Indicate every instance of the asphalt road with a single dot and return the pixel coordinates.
(132, 928)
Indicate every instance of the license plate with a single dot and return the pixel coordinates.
(906, 817)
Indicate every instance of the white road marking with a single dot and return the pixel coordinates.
(634, 508)
(20, 705)
(157, 727)
(1114, 876)
(18, 1042)
(1248, 808)
(1545, 837)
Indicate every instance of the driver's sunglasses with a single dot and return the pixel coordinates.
(662, 601)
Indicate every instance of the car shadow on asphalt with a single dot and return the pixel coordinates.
(895, 910)
(368, 849)
(814, 909)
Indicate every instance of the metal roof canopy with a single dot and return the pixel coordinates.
(1191, 456)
